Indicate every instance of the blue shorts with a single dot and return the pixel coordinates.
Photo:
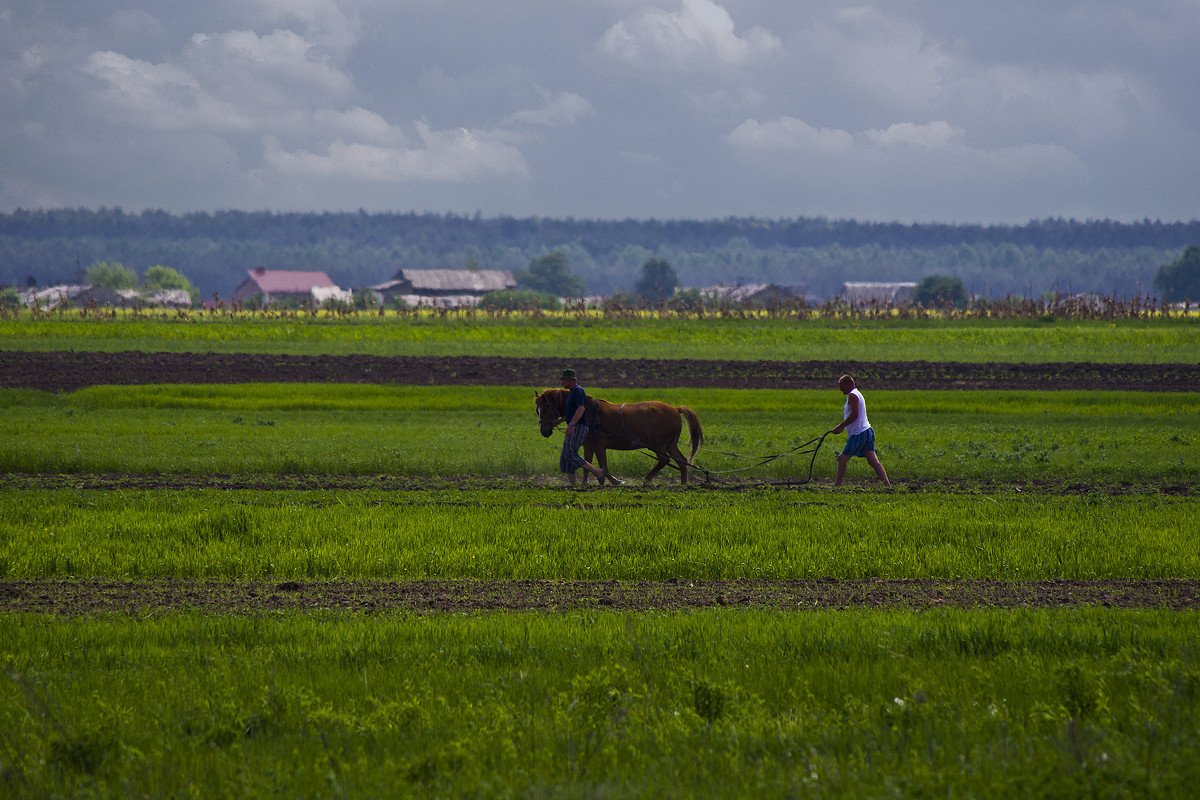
(860, 443)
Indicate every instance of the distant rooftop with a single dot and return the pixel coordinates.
(288, 281)
(446, 281)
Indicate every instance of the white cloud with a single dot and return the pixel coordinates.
(324, 21)
(231, 81)
(922, 108)
(879, 66)
(1057, 102)
(727, 101)
(890, 61)
(700, 35)
(358, 124)
(450, 156)
(788, 134)
(159, 96)
(564, 109)
(932, 136)
(289, 90)
(281, 68)
(920, 154)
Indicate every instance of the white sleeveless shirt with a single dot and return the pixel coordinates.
(859, 425)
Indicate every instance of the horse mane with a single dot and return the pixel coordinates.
(558, 397)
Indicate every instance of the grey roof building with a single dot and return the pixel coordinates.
(878, 292)
(444, 287)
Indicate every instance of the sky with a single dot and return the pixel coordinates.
(960, 111)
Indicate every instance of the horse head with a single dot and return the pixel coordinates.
(549, 407)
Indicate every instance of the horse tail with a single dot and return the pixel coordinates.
(694, 430)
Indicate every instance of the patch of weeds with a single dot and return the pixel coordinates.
(708, 701)
(84, 751)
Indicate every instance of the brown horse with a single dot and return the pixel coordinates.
(650, 425)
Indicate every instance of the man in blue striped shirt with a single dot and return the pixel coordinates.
(577, 430)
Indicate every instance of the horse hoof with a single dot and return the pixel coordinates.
(615, 481)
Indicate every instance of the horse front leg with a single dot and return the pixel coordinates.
(602, 462)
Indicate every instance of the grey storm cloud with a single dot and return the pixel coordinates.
(925, 110)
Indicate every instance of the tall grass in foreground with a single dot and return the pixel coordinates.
(627, 535)
(570, 336)
(1095, 703)
(290, 429)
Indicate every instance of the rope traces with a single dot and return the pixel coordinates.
(799, 450)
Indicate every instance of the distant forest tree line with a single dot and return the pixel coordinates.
(358, 249)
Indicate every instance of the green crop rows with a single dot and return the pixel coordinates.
(629, 535)
(1007, 486)
(713, 704)
(1095, 437)
(1152, 340)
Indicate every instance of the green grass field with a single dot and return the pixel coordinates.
(516, 534)
(720, 703)
(1101, 437)
(1155, 341)
(1085, 703)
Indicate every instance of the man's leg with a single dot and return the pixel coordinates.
(843, 460)
(873, 460)
(571, 460)
(568, 462)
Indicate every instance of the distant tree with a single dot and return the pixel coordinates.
(112, 275)
(658, 280)
(552, 274)
(1180, 280)
(937, 290)
(158, 278)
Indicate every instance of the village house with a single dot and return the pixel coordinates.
(757, 294)
(81, 296)
(443, 288)
(882, 293)
(277, 285)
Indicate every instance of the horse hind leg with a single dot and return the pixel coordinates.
(675, 453)
(663, 460)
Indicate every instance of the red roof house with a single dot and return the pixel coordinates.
(277, 284)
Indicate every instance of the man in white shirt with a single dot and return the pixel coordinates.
(860, 439)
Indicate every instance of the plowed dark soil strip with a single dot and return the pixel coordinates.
(86, 597)
(67, 371)
(554, 486)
